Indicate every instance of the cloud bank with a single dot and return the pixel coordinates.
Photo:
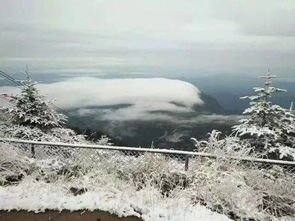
(133, 98)
(119, 100)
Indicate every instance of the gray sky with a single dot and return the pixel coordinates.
(211, 36)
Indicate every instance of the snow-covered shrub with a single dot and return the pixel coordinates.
(143, 170)
(14, 164)
(236, 188)
(228, 146)
(240, 191)
(224, 185)
(90, 157)
(64, 135)
(270, 128)
(156, 170)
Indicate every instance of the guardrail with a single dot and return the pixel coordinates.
(187, 154)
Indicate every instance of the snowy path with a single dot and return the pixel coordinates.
(146, 204)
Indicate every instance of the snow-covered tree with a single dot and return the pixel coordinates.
(31, 109)
(30, 116)
(269, 127)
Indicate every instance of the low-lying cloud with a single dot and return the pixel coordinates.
(135, 99)
(214, 119)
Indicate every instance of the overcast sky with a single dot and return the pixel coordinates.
(211, 36)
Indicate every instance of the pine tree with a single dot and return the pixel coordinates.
(30, 116)
(269, 127)
(31, 109)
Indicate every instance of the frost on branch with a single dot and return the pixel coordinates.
(32, 117)
(31, 109)
(270, 128)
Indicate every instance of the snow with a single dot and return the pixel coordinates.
(138, 185)
(270, 127)
(147, 203)
(150, 186)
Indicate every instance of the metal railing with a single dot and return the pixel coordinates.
(184, 155)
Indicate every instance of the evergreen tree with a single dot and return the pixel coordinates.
(31, 109)
(29, 116)
(270, 128)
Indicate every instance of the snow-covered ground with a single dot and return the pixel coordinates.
(150, 186)
(147, 203)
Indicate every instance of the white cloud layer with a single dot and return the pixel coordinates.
(155, 93)
(143, 95)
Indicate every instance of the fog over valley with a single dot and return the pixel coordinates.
(137, 111)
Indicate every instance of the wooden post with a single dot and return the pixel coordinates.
(186, 162)
(33, 150)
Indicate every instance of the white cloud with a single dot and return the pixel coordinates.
(146, 99)
(144, 96)
(150, 94)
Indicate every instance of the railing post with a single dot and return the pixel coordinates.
(33, 150)
(186, 162)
